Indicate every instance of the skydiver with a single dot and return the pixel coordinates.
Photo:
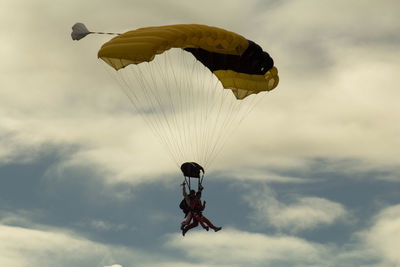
(188, 205)
(188, 200)
(196, 213)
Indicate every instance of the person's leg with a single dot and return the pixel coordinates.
(187, 220)
(204, 219)
(190, 226)
(198, 218)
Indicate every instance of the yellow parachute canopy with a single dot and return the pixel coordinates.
(239, 64)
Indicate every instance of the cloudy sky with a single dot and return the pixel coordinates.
(310, 178)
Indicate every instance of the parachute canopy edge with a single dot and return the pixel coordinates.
(143, 44)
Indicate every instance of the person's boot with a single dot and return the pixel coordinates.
(184, 231)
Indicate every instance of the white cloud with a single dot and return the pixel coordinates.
(304, 213)
(44, 246)
(231, 247)
(382, 238)
(259, 175)
(22, 247)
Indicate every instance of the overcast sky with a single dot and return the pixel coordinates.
(310, 178)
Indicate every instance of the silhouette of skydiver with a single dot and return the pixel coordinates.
(195, 208)
(185, 205)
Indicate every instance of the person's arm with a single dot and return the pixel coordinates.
(185, 196)
(184, 190)
(201, 187)
(204, 205)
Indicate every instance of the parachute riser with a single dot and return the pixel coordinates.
(199, 182)
(192, 170)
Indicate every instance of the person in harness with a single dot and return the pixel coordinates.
(191, 205)
(195, 210)
(190, 170)
(186, 203)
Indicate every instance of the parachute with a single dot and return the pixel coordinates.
(193, 84)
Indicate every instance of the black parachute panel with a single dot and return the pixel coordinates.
(253, 61)
(191, 169)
